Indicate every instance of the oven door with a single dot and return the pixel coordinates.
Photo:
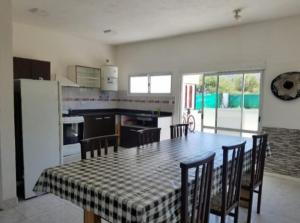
(73, 133)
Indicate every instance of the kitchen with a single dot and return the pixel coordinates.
(67, 79)
(83, 86)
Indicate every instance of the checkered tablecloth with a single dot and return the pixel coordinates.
(136, 185)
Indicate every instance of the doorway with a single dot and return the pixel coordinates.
(224, 102)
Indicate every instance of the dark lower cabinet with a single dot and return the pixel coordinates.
(129, 136)
(31, 69)
(98, 125)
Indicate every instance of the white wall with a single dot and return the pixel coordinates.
(7, 141)
(59, 48)
(273, 46)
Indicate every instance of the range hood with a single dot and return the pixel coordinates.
(65, 82)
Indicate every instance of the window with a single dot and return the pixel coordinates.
(160, 84)
(139, 84)
(150, 84)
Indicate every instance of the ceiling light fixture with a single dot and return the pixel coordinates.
(107, 31)
(237, 13)
(39, 12)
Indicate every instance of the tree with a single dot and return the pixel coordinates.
(232, 84)
(251, 84)
(210, 84)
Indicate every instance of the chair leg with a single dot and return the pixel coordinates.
(236, 215)
(259, 199)
(223, 218)
(250, 206)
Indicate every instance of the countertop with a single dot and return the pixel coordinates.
(117, 111)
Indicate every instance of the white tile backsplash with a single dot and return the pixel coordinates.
(92, 98)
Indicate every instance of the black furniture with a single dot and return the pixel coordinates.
(31, 69)
(124, 122)
(253, 179)
(202, 183)
(179, 130)
(98, 125)
(120, 111)
(128, 138)
(96, 144)
(148, 136)
(228, 199)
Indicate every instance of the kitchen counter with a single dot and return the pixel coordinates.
(125, 122)
(117, 111)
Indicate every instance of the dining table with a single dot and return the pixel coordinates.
(137, 185)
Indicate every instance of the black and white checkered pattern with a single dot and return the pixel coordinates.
(136, 185)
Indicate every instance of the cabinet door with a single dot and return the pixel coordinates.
(41, 70)
(22, 68)
(93, 126)
(31, 69)
(99, 125)
(88, 77)
(108, 124)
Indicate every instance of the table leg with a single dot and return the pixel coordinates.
(245, 195)
(90, 217)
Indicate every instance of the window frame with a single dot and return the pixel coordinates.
(129, 84)
(149, 75)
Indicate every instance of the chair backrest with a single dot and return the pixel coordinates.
(147, 136)
(95, 144)
(260, 143)
(232, 174)
(179, 130)
(201, 189)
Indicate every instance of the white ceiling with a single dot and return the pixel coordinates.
(136, 20)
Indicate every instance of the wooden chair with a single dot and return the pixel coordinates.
(148, 136)
(228, 199)
(253, 179)
(179, 130)
(199, 212)
(96, 144)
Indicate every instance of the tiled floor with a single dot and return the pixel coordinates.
(281, 204)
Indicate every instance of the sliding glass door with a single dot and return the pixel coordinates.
(231, 102)
(209, 102)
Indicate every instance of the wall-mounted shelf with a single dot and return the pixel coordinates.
(85, 76)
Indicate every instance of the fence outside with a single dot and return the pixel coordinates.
(225, 100)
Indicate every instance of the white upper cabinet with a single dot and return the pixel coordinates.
(85, 76)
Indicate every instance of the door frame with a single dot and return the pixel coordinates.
(180, 108)
(204, 74)
(240, 130)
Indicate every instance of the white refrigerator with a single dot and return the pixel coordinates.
(38, 131)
